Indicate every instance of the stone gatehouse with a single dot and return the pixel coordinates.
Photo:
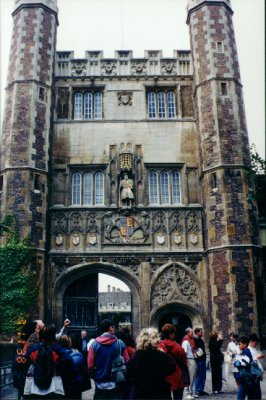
(134, 167)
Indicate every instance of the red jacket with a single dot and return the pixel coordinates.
(177, 352)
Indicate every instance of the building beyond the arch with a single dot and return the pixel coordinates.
(134, 167)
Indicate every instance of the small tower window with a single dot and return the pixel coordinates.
(220, 47)
(224, 89)
(41, 93)
(214, 181)
(37, 185)
(1, 183)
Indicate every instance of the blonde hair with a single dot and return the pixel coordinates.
(148, 338)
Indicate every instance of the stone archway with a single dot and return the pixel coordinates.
(81, 270)
(175, 292)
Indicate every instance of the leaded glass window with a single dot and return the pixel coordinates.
(87, 188)
(99, 188)
(78, 106)
(161, 104)
(153, 188)
(98, 105)
(176, 191)
(76, 188)
(151, 105)
(88, 106)
(164, 186)
(171, 105)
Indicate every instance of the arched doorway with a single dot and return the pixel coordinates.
(180, 320)
(78, 280)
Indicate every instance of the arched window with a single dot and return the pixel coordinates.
(151, 105)
(153, 188)
(98, 105)
(165, 198)
(76, 188)
(87, 188)
(171, 104)
(161, 104)
(176, 192)
(99, 188)
(78, 106)
(88, 106)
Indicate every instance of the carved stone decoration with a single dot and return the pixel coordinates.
(130, 228)
(75, 222)
(125, 98)
(126, 159)
(59, 223)
(92, 239)
(92, 224)
(176, 222)
(59, 240)
(175, 283)
(192, 220)
(139, 68)
(159, 224)
(168, 67)
(177, 238)
(76, 239)
(79, 68)
(109, 68)
(160, 238)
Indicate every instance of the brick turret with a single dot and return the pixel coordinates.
(231, 227)
(26, 126)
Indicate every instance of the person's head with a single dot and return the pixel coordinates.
(214, 335)
(198, 332)
(47, 334)
(76, 341)
(40, 325)
(253, 340)
(107, 326)
(65, 341)
(243, 342)
(148, 339)
(125, 335)
(84, 334)
(168, 331)
(28, 329)
(233, 336)
(189, 332)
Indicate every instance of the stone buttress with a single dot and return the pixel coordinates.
(231, 236)
(26, 126)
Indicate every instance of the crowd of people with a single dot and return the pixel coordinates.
(57, 365)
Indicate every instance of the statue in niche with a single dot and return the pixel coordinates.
(126, 188)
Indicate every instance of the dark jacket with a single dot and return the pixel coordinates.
(216, 356)
(147, 371)
(199, 343)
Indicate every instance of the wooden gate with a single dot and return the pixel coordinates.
(81, 304)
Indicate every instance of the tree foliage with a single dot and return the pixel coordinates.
(17, 283)
(258, 173)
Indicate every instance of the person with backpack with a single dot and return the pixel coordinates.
(51, 367)
(103, 351)
(20, 364)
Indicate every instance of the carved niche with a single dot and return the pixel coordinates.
(168, 67)
(62, 103)
(187, 101)
(175, 284)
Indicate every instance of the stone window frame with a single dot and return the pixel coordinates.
(101, 191)
(92, 114)
(161, 195)
(159, 105)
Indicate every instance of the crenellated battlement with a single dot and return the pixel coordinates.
(124, 64)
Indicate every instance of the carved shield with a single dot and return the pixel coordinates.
(193, 238)
(177, 238)
(76, 239)
(59, 240)
(160, 238)
(92, 239)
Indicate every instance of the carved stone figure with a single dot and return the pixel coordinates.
(126, 187)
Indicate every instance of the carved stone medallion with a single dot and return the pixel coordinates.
(59, 240)
(76, 239)
(92, 239)
(125, 98)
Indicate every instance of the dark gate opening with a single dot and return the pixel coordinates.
(81, 305)
(181, 322)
